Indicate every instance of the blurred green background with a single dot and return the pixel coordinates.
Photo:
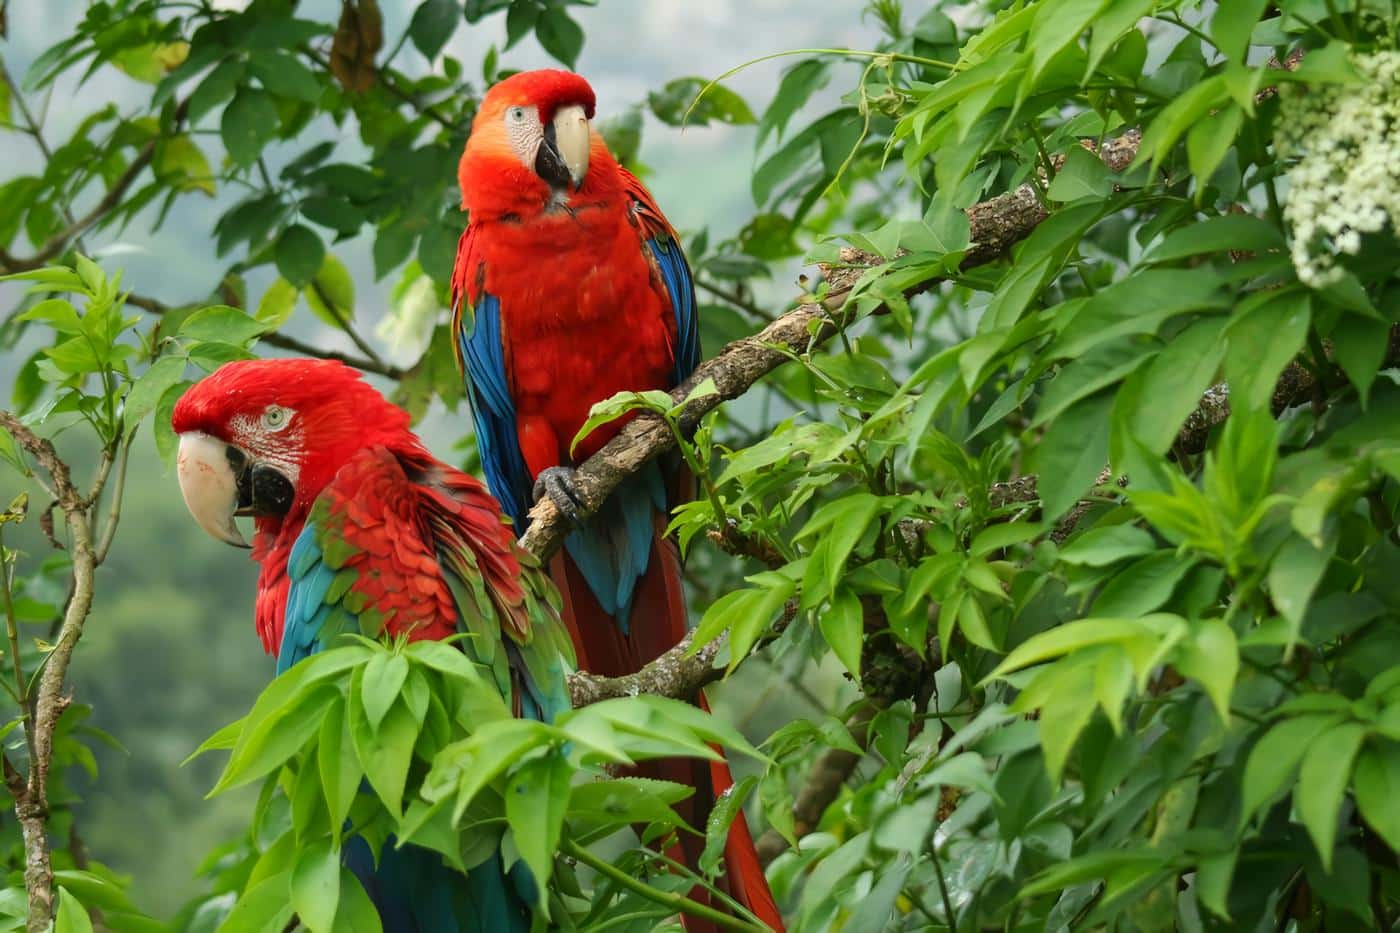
(169, 653)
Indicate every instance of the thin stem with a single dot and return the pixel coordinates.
(702, 474)
(12, 628)
(677, 902)
(848, 53)
(1196, 31)
(685, 871)
(943, 890)
(284, 342)
(346, 325)
(390, 85)
(734, 298)
(114, 508)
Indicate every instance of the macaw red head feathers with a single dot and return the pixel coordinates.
(532, 145)
(264, 437)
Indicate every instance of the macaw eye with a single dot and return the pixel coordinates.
(276, 417)
(516, 114)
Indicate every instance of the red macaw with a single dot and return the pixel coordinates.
(570, 286)
(358, 527)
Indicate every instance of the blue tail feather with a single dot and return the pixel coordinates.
(613, 547)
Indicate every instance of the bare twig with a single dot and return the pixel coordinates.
(733, 297)
(31, 800)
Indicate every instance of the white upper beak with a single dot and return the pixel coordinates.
(209, 486)
(573, 138)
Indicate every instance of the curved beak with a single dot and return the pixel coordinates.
(209, 483)
(563, 155)
(219, 482)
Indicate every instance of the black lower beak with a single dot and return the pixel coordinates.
(261, 489)
(549, 164)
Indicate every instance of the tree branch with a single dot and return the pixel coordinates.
(284, 342)
(32, 805)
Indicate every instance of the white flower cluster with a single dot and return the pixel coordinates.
(1347, 180)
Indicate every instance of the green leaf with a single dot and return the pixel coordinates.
(146, 392)
(1084, 175)
(299, 254)
(263, 908)
(316, 885)
(1274, 757)
(843, 627)
(277, 304)
(1263, 336)
(1211, 656)
(383, 679)
(728, 806)
(1210, 140)
(1173, 383)
(1322, 781)
(266, 743)
(72, 916)
(1217, 235)
(1376, 783)
(1100, 547)
(58, 313)
(1294, 573)
(1102, 366)
(614, 407)
(972, 622)
(1143, 585)
(842, 522)
(331, 294)
(559, 35)
(536, 800)
(180, 163)
(719, 103)
(1232, 24)
(385, 753)
(249, 123)
(1138, 305)
(1360, 344)
(355, 913)
(221, 324)
(796, 88)
(284, 75)
(1073, 636)
(338, 764)
(1072, 454)
(432, 25)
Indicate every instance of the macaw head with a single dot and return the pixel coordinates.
(262, 438)
(532, 142)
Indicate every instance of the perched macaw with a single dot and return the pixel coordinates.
(358, 527)
(570, 286)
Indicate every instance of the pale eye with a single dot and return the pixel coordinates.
(516, 114)
(276, 417)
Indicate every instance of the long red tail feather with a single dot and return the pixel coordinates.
(658, 622)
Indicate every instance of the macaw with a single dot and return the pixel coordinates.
(570, 286)
(358, 526)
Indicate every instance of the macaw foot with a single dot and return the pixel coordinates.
(558, 483)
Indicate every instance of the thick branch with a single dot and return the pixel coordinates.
(677, 673)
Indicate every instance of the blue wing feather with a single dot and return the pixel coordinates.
(493, 410)
(681, 287)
